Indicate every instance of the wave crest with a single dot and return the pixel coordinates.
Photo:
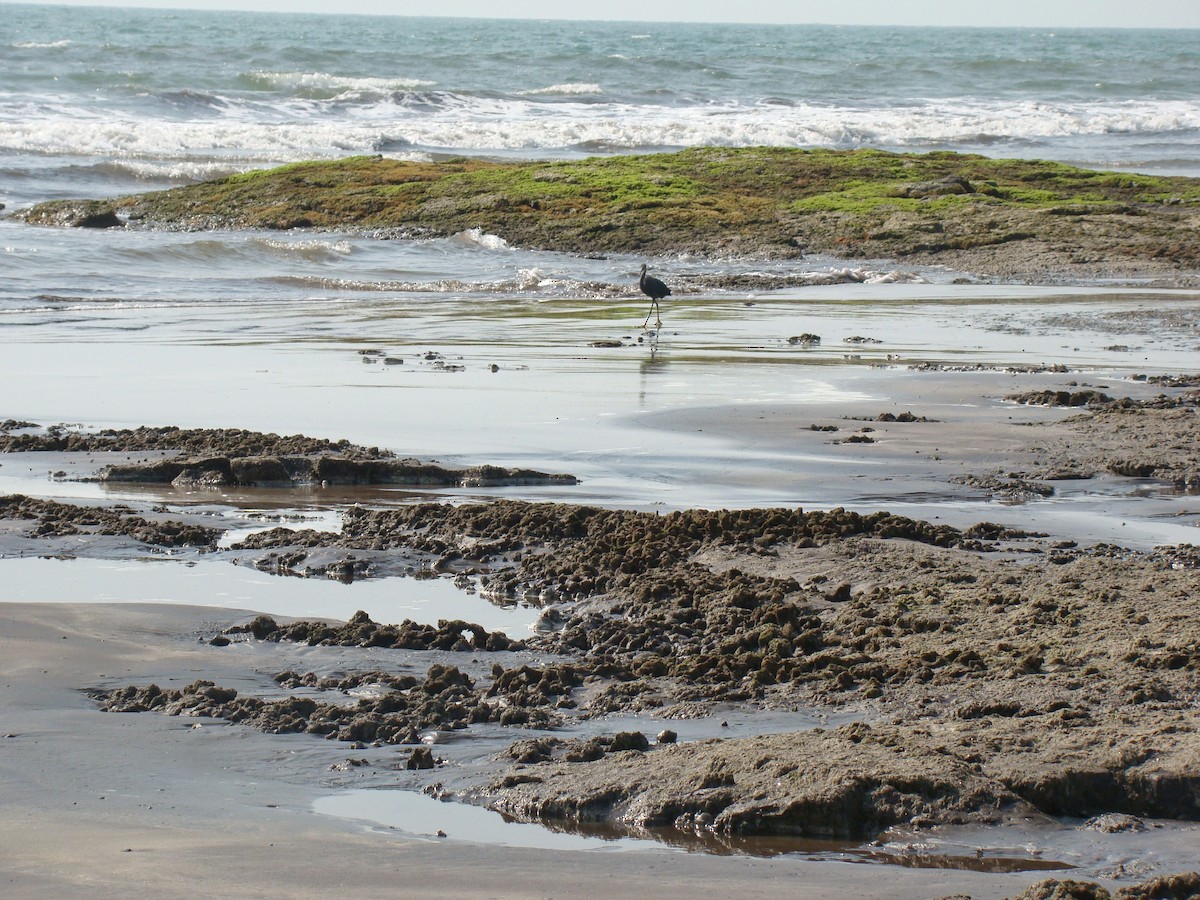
(412, 123)
(571, 89)
(42, 45)
(326, 86)
(479, 237)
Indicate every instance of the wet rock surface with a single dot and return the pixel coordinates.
(221, 457)
(49, 519)
(274, 471)
(1062, 398)
(1065, 718)
(991, 687)
(1183, 886)
(231, 442)
(1139, 439)
(361, 631)
(446, 698)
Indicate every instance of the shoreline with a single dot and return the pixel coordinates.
(216, 805)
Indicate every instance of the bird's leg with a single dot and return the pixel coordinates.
(654, 308)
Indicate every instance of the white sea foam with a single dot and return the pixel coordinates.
(167, 170)
(482, 238)
(618, 126)
(159, 146)
(282, 133)
(316, 251)
(399, 85)
(841, 275)
(42, 45)
(566, 90)
(324, 81)
(529, 283)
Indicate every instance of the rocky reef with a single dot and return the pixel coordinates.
(1025, 219)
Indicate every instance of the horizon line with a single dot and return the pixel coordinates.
(196, 7)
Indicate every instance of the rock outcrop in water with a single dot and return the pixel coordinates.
(1024, 219)
(222, 457)
(1183, 886)
(290, 471)
(18, 437)
(51, 519)
(1050, 680)
(362, 631)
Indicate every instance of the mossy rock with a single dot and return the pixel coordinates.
(758, 201)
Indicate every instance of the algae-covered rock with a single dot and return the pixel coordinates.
(1027, 217)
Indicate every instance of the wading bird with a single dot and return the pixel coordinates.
(655, 290)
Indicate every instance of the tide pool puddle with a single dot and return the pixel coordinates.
(229, 586)
(422, 816)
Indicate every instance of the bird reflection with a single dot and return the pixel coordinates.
(653, 364)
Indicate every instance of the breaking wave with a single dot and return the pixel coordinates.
(41, 45)
(492, 124)
(323, 85)
(565, 90)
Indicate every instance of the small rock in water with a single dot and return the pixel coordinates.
(421, 758)
(1114, 823)
(667, 736)
(805, 340)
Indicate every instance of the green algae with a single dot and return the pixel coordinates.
(761, 201)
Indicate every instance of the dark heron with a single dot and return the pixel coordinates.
(655, 290)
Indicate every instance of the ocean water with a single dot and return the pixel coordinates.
(97, 98)
(103, 101)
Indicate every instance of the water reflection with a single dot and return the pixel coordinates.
(767, 846)
(421, 815)
(221, 584)
(652, 365)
